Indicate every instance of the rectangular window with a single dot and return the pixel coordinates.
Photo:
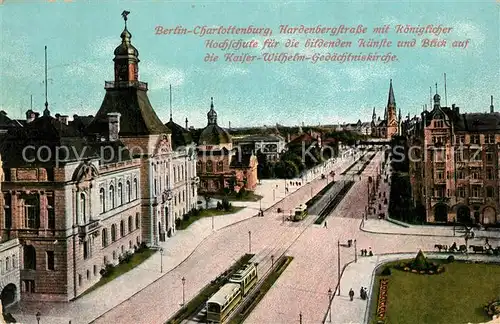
(7, 210)
(86, 250)
(476, 191)
(474, 139)
(51, 214)
(489, 157)
(490, 174)
(440, 174)
(461, 192)
(490, 139)
(29, 286)
(50, 260)
(460, 139)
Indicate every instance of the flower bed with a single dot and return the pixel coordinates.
(382, 301)
(493, 308)
(420, 265)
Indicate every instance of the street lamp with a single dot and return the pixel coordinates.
(38, 315)
(338, 264)
(330, 304)
(250, 241)
(300, 318)
(183, 294)
(272, 261)
(274, 195)
(355, 252)
(161, 260)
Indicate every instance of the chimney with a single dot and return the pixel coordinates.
(492, 108)
(114, 126)
(30, 116)
(455, 109)
(229, 125)
(63, 119)
(187, 123)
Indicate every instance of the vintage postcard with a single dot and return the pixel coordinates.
(264, 162)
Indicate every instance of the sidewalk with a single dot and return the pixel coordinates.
(361, 274)
(176, 250)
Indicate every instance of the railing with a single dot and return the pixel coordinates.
(476, 200)
(476, 181)
(125, 84)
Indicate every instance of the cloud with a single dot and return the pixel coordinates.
(104, 47)
(231, 70)
(161, 77)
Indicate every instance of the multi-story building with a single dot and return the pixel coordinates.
(272, 146)
(454, 164)
(184, 182)
(219, 166)
(10, 250)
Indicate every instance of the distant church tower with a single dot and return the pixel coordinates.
(392, 122)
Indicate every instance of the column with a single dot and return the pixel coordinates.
(44, 222)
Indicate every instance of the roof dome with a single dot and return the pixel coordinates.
(126, 48)
(180, 136)
(213, 134)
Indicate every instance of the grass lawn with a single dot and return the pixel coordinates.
(137, 258)
(456, 296)
(248, 196)
(207, 213)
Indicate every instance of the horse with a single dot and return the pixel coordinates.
(453, 247)
(441, 247)
(462, 248)
(477, 248)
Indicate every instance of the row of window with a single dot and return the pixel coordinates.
(463, 156)
(30, 211)
(104, 233)
(10, 263)
(475, 174)
(474, 191)
(123, 197)
(209, 166)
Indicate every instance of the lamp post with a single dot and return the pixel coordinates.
(274, 195)
(272, 261)
(38, 315)
(213, 225)
(300, 318)
(355, 252)
(338, 264)
(260, 205)
(161, 260)
(330, 304)
(250, 241)
(183, 294)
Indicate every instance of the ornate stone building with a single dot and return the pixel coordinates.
(454, 164)
(184, 182)
(389, 126)
(219, 166)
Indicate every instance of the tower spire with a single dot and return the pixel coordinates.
(170, 102)
(124, 15)
(391, 100)
(492, 109)
(212, 115)
(46, 111)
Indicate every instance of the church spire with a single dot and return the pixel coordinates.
(391, 100)
(212, 115)
(492, 108)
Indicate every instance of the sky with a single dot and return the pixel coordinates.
(81, 37)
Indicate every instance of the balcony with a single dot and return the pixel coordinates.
(90, 228)
(125, 84)
(475, 164)
(439, 181)
(476, 181)
(476, 200)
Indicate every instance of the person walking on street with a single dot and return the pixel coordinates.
(370, 253)
(351, 294)
(326, 226)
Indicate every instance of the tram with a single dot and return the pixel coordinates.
(224, 301)
(300, 213)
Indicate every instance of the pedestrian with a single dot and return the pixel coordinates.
(361, 292)
(486, 242)
(370, 253)
(351, 294)
(325, 225)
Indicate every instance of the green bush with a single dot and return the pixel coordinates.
(177, 222)
(386, 271)
(185, 217)
(195, 212)
(450, 259)
(226, 205)
(219, 205)
(107, 270)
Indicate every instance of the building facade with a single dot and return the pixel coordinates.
(272, 146)
(219, 166)
(454, 167)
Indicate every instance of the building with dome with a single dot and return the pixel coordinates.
(220, 167)
(184, 179)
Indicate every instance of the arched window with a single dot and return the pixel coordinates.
(120, 194)
(130, 228)
(198, 167)
(129, 191)
(102, 200)
(104, 237)
(122, 228)
(136, 189)
(209, 166)
(29, 257)
(220, 166)
(113, 233)
(81, 205)
(137, 221)
(112, 196)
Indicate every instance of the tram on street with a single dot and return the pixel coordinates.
(220, 305)
(245, 277)
(300, 213)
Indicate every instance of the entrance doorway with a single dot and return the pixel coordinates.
(8, 295)
(440, 213)
(463, 215)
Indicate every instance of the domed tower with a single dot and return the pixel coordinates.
(213, 136)
(126, 57)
